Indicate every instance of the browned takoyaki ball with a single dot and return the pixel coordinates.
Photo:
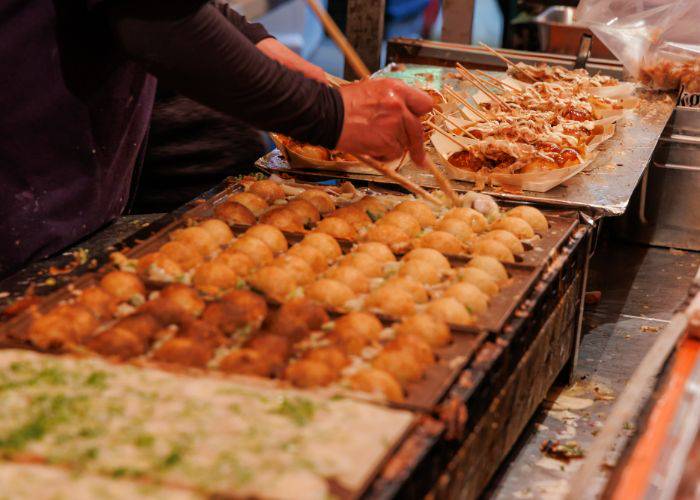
(307, 373)
(422, 271)
(185, 297)
(329, 292)
(406, 222)
(239, 262)
(337, 228)
(400, 363)
(251, 201)
(271, 236)
(449, 309)
(297, 318)
(277, 348)
(185, 255)
(196, 237)
(247, 362)
(392, 236)
(302, 270)
(100, 303)
(283, 219)
(433, 330)
(419, 210)
(82, 321)
(354, 215)
(202, 332)
(183, 351)
(475, 219)
(325, 243)
(417, 346)
(165, 311)
(379, 382)
(230, 317)
(233, 212)
(428, 255)
(305, 211)
(274, 281)
(355, 331)
(507, 238)
(365, 263)
(246, 308)
(379, 251)
(51, 331)
(374, 207)
(391, 299)
(442, 242)
(117, 343)
(315, 257)
(492, 248)
(218, 230)
(330, 356)
(268, 190)
(481, 279)
(456, 227)
(351, 276)
(214, 277)
(491, 266)
(158, 267)
(532, 216)
(143, 325)
(417, 290)
(122, 285)
(311, 151)
(470, 296)
(320, 199)
(515, 225)
(254, 248)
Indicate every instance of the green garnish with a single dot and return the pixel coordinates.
(299, 410)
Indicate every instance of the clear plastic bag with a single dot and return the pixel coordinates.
(656, 40)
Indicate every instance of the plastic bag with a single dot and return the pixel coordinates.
(656, 40)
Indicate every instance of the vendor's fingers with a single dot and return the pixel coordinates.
(417, 101)
(414, 133)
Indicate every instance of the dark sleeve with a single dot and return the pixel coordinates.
(254, 32)
(202, 55)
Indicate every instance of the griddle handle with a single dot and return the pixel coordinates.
(584, 51)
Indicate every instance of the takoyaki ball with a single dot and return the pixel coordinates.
(240, 262)
(396, 239)
(420, 349)
(214, 277)
(399, 363)
(158, 268)
(329, 292)
(353, 215)
(302, 270)
(379, 251)
(218, 230)
(197, 238)
(532, 216)
(475, 219)
(297, 318)
(202, 332)
(351, 276)
(311, 151)
(492, 248)
(247, 309)
(355, 331)
(51, 331)
(117, 343)
(417, 290)
(143, 325)
(422, 271)
(378, 382)
(271, 236)
(505, 237)
(457, 227)
(274, 281)
(391, 299)
(428, 255)
(442, 242)
(247, 362)
(407, 223)
(305, 211)
(449, 309)
(122, 285)
(183, 351)
(515, 225)
(81, 319)
(276, 347)
(320, 199)
(100, 303)
(365, 263)
(312, 255)
(235, 213)
(185, 255)
(185, 297)
(267, 190)
(325, 243)
(337, 228)
(329, 355)
(251, 201)
(491, 265)
(374, 207)
(419, 210)
(307, 373)
(433, 330)
(481, 279)
(228, 318)
(283, 219)
(470, 296)
(254, 248)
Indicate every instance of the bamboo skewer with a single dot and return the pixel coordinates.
(508, 61)
(447, 135)
(480, 85)
(455, 124)
(464, 102)
(503, 85)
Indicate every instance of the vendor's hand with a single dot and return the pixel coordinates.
(290, 59)
(382, 119)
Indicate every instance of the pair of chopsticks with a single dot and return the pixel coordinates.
(356, 63)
